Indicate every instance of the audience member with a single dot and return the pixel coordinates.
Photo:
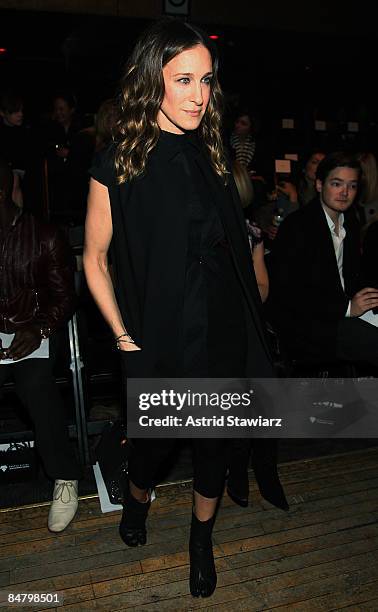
(368, 200)
(21, 146)
(245, 190)
(37, 298)
(14, 140)
(250, 150)
(64, 125)
(316, 299)
(243, 141)
(306, 188)
(239, 450)
(15, 137)
(288, 195)
(59, 135)
(85, 144)
(105, 123)
(280, 203)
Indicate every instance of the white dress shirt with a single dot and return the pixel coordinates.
(338, 245)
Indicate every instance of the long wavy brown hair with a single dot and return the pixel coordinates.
(142, 93)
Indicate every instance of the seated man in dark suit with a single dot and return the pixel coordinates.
(316, 297)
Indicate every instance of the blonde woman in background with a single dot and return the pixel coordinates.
(245, 190)
(239, 450)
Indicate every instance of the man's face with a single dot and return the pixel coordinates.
(62, 112)
(339, 190)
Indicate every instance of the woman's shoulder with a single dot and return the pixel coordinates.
(103, 165)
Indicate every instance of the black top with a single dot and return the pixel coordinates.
(165, 224)
(212, 330)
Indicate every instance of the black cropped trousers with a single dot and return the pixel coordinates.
(208, 456)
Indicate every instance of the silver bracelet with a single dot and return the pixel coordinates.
(118, 340)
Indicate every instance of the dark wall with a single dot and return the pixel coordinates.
(302, 75)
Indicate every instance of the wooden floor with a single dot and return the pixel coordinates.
(321, 555)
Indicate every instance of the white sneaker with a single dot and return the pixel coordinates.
(64, 505)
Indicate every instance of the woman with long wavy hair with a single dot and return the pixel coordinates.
(185, 301)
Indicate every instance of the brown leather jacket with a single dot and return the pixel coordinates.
(36, 276)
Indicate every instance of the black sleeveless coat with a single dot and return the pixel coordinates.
(149, 255)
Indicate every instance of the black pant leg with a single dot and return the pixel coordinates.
(238, 455)
(357, 340)
(37, 389)
(5, 373)
(209, 466)
(147, 458)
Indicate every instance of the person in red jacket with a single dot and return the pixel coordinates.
(36, 298)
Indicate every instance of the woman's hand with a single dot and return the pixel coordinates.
(271, 231)
(24, 343)
(125, 343)
(127, 347)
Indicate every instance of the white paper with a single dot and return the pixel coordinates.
(105, 503)
(283, 166)
(370, 317)
(320, 126)
(288, 124)
(42, 352)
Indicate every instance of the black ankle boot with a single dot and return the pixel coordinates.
(270, 486)
(265, 468)
(132, 528)
(203, 577)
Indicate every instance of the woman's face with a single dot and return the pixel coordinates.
(14, 118)
(187, 83)
(243, 125)
(62, 111)
(312, 165)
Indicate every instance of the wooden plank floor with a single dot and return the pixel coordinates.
(321, 555)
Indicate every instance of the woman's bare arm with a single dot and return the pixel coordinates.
(260, 271)
(98, 234)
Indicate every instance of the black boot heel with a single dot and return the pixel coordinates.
(203, 577)
(238, 479)
(270, 487)
(265, 468)
(238, 487)
(132, 528)
(240, 501)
